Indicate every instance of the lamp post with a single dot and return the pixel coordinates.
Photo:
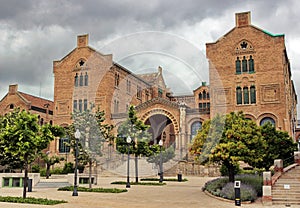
(77, 136)
(128, 140)
(161, 175)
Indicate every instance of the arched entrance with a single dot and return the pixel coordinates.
(161, 127)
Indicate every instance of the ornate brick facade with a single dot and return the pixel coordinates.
(250, 72)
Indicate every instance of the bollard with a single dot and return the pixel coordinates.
(237, 191)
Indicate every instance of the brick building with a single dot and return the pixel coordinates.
(249, 71)
(35, 105)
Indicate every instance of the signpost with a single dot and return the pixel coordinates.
(287, 187)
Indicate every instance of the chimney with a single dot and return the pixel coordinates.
(13, 89)
(243, 19)
(82, 40)
(159, 70)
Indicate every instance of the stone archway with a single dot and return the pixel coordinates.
(161, 128)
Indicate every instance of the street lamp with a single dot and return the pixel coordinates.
(77, 136)
(161, 175)
(128, 140)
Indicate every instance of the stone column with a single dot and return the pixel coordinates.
(182, 130)
(278, 165)
(267, 188)
(297, 157)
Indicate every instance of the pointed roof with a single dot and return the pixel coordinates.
(155, 78)
(30, 100)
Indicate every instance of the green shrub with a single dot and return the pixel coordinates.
(255, 181)
(224, 170)
(68, 168)
(43, 172)
(56, 171)
(35, 169)
(247, 192)
(100, 190)
(30, 200)
(216, 186)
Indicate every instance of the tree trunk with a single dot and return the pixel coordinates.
(230, 168)
(90, 173)
(25, 180)
(136, 169)
(47, 170)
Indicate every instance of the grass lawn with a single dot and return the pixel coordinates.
(30, 200)
(98, 190)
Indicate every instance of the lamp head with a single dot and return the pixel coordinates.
(128, 139)
(160, 143)
(77, 134)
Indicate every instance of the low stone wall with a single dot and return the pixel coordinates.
(34, 176)
(71, 178)
(194, 169)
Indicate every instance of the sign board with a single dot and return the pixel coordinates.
(237, 184)
(286, 186)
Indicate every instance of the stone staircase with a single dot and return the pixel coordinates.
(286, 189)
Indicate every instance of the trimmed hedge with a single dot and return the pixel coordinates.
(99, 190)
(30, 200)
(139, 183)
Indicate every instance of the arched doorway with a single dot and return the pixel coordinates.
(161, 127)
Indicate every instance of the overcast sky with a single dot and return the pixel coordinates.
(141, 35)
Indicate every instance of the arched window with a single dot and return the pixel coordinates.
(204, 95)
(86, 79)
(246, 95)
(244, 64)
(194, 128)
(81, 80)
(207, 95)
(11, 106)
(238, 65)
(76, 80)
(266, 120)
(252, 95)
(239, 95)
(200, 96)
(74, 105)
(251, 64)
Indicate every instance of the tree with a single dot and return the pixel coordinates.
(238, 139)
(22, 139)
(167, 154)
(50, 160)
(279, 146)
(137, 130)
(94, 131)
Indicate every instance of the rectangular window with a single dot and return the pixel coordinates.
(74, 105)
(64, 145)
(80, 105)
(128, 87)
(200, 105)
(139, 92)
(85, 104)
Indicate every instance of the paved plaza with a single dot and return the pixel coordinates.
(174, 194)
